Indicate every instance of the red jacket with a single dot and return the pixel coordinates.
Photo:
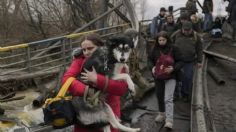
(115, 89)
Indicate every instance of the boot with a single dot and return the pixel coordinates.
(160, 117)
(168, 125)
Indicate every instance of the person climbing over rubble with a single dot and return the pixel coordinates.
(166, 62)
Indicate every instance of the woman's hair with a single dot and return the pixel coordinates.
(94, 38)
(163, 34)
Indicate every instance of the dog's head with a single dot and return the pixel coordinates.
(120, 47)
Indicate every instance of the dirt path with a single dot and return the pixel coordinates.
(222, 97)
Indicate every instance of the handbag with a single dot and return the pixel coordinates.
(163, 62)
(58, 111)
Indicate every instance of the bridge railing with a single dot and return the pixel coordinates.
(22, 58)
(39, 57)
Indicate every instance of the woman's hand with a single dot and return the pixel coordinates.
(169, 69)
(89, 76)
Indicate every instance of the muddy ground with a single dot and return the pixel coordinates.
(222, 97)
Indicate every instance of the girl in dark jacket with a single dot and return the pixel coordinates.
(165, 87)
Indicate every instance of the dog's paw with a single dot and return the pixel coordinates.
(136, 130)
(132, 88)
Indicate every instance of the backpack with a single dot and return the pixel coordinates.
(174, 36)
(163, 62)
(216, 33)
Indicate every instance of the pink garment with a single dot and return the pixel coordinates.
(115, 89)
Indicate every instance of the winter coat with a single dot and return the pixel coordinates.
(169, 28)
(207, 6)
(156, 25)
(190, 46)
(156, 53)
(114, 90)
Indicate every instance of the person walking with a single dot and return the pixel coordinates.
(183, 18)
(169, 26)
(196, 23)
(208, 18)
(157, 22)
(190, 45)
(115, 88)
(165, 86)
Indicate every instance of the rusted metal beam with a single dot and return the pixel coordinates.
(215, 76)
(7, 78)
(219, 56)
(198, 121)
(198, 116)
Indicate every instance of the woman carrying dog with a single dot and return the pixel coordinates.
(114, 89)
(165, 60)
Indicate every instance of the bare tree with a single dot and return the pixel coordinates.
(143, 8)
(29, 20)
(8, 15)
(82, 10)
(102, 7)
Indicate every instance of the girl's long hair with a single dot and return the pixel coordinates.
(163, 34)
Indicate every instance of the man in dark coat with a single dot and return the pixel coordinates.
(169, 26)
(190, 45)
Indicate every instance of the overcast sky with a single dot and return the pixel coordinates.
(153, 6)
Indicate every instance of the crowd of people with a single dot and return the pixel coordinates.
(177, 51)
(185, 46)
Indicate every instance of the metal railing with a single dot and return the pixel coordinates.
(47, 56)
(18, 59)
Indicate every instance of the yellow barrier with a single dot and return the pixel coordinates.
(75, 35)
(3, 49)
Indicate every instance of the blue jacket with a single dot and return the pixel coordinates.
(156, 25)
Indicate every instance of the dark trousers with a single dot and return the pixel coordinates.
(187, 80)
(160, 92)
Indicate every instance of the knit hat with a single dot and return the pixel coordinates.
(187, 25)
